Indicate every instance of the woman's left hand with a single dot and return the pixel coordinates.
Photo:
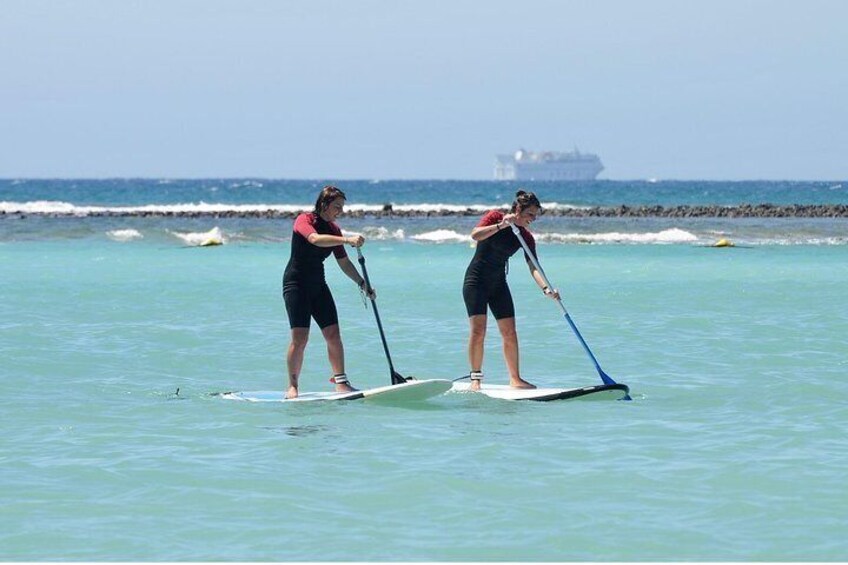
(372, 295)
(552, 293)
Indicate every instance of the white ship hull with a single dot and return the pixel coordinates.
(547, 166)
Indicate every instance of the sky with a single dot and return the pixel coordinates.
(429, 89)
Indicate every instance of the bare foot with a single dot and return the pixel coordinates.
(520, 383)
(345, 387)
(475, 385)
(292, 392)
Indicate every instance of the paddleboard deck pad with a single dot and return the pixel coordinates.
(410, 391)
(506, 392)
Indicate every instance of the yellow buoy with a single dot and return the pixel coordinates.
(723, 243)
(211, 238)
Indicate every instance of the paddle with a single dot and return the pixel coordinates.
(607, 380)
(395, 376)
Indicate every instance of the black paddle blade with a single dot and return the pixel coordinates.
(397, 378)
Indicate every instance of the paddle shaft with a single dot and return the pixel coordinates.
(604, 377)
(396, 378)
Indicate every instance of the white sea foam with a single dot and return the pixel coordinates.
(801, 240)
(561, 206)
(124, 235)
(442, 236)
(42, 207)
(202, 239)
(423, 207)
(65, 208)
(381, 233)
(247, 184)
(674, 235)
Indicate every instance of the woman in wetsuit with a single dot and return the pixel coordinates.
(305, 291)
(485, 282)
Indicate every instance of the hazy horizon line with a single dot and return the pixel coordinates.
(402, 179)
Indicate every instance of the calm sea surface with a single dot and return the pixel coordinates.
(115, 333)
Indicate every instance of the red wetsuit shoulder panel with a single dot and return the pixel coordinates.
(308, 223)
(490, 218)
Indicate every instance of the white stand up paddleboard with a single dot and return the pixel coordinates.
(410, 391)
(506, 392)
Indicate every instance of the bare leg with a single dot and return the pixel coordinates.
(476, 339)
(294, 358)
(335, 352)
(510, 351)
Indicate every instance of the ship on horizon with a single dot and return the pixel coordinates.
(547, 165)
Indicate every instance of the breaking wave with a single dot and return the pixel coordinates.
(674, 235)
(124, 235)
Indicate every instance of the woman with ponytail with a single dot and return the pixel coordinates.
(316, 236)
(485, 282)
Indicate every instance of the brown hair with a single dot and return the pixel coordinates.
(327, 195)
(524, 200)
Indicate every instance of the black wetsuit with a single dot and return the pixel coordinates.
(485, 278)
(305, 289)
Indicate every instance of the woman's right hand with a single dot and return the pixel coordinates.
(356, 241)
(508, 220)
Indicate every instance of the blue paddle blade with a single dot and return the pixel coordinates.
(608, 381)
(605, 377)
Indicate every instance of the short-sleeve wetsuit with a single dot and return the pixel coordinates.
(305, 289)
(485, 278)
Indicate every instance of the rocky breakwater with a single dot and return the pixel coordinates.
(739, 211)
(388, 211)
(623, 211)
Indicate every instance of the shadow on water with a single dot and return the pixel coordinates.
(441, 404)
(298, 431)
(418, 406)
(169, 396)
(428, 405)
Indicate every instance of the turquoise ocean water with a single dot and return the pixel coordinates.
(733, 448)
